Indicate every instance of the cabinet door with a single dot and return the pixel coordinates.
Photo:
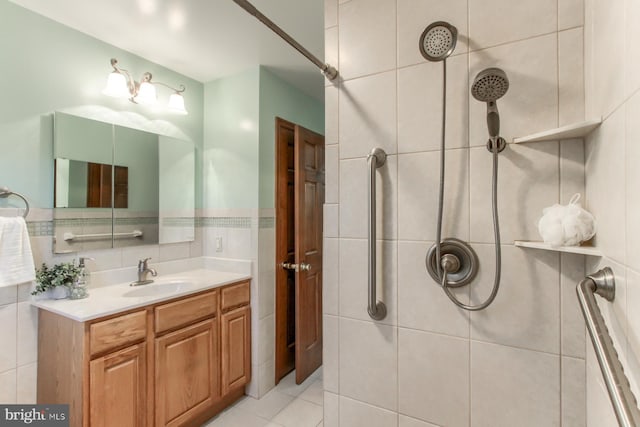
(187, 371)
(117, 385)
(236, 348)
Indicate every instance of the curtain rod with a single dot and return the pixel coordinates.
(330, 72)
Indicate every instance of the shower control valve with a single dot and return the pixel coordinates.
(450, 263)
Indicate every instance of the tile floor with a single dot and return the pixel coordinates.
(287, 405)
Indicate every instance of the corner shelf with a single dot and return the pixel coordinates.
(574, 130)
(582, 250)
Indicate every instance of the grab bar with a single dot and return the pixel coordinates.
(376, 309)
(70, 236)
(622, 398)
(5, 192)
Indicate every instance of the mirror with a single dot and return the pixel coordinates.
(109, 190)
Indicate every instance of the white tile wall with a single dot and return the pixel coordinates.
(445, 363)
(612, 156)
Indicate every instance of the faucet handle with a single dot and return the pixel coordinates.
(142, 264)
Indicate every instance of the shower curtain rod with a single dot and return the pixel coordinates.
(330, 72)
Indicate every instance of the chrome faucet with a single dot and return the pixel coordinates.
(143, 270)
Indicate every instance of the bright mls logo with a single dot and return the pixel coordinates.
(36, 415)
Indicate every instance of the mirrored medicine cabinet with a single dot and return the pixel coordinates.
(116, 186)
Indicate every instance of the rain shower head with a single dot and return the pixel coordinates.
(490, 85)
(438, 41)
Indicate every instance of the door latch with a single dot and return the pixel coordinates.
(295, 267)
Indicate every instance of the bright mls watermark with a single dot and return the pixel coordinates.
(34, 415)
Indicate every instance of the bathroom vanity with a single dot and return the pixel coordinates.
(168, 354)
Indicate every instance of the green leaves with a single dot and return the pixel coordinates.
(63, 274)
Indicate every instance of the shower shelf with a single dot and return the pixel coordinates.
(572, 131)
(582, 250)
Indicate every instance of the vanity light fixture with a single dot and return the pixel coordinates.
(120, 84)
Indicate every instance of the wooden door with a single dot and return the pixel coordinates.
(285, 358)
(186, 373)
(236, 348)
(117, 384)
(309, 198)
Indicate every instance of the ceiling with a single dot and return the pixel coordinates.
(202, 39)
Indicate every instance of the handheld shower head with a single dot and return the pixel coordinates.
(438, 41)
(490, 85)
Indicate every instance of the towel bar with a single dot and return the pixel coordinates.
(5, 192)
(70, 236)
(622, 398)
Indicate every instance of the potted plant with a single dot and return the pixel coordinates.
(57, 280)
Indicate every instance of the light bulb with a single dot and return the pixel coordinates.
(116, 86)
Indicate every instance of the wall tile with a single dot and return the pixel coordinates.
(330, 277)
(331, 57)
(528, 181)
(605, 171)
(608, 45)
(526, 311)
(420, 106)
(27, 342)
(9, 294)
(358, 414)
(511, 387)
(8, 337)
(354, 279)
(572, 178)
(416, 16)
(354, 203)
(331, 220)
(8, 382)
(632, 53)
(367, 37)
(368, 114)
(570, 13)
(331, 103)
(632, 176)
(366, 375)
(633, 301)
(412, 422)
(27, 384)
(332, 171)
(426, 360)
(493, 22)
(267, 339)
(418, 189)
(531, 104)
(422, 304)
(571, 76)
(573, 392)
(572, 323)
(331, 410)
(330, 13)
(331, 353)
(599, 411)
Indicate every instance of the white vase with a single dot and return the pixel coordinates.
(59, 292)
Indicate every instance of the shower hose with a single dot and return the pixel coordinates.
(494, 198)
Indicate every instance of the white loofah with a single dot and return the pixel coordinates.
(566, 225)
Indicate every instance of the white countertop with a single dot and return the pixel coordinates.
(112, 299)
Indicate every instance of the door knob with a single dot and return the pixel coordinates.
(305, 267)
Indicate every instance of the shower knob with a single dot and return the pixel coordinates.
(450, 263)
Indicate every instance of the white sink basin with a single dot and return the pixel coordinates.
(159, 288)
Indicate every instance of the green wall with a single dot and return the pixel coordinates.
(47, 67)
(231, 166)
(239, 135)
(280, 99)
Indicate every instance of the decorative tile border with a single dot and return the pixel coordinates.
(225, 222)
(40, 228)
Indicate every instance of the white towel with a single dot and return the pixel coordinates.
(16, 259)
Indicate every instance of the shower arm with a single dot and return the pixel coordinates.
(330, 72)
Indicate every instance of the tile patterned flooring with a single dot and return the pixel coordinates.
(287, 405)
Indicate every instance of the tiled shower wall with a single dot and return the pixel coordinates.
(612, 59)
(521, 361)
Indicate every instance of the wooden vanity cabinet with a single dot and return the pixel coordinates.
(175, 363)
